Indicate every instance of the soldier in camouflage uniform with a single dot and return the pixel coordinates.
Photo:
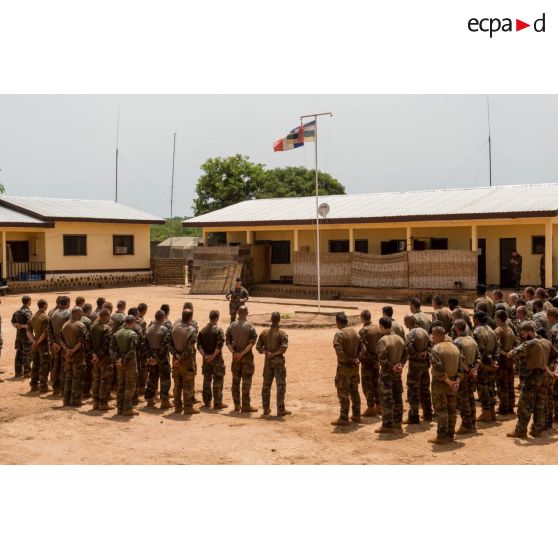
(123, 352)
(423, 320)
(552, 392)
(549, 377)
(458, 313)
(369, 366)
(240, 339)
(392, 355)
(142, 358)
(157, 341)
(117, 319)
(98, 344)
(470, 364)
(397, 328)
(504, 374)
(533, 389)
(140, 351)
(446, 376)
(483, 298)
(190, 306)
(73, 338)
(418, 379)
(486, 381)
(273, 342)
(441, 313)
(210, 345)
(23, 346)
(38, 335)
(1, 340)
(95, 313)
(58, 318)
(498, 298)
(183, 348)
(88, 374)
(516, 266)
(539, 315)
(237, 297)
(346, 343)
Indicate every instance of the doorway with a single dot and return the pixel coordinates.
(481, 261)
(507, 246)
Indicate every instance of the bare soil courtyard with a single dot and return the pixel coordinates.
(37, 430)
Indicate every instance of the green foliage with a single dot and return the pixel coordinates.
(172, 227)
(226, 181)
(2, 188)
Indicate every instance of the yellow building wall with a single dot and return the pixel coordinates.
(236, 236)
(459, 238)
(99, 247)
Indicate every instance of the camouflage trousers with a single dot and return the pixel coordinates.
(242, 373)
(549, 401)
(127, 374)
(418, 389)
(274, 369)
(142, 373)
(391, 397)
(184, 376)
(102, 380)
(445, 407)
(88, 374)
(160, 371)
(346, 382)
(505, 385)
(466, 401)
(486, 388)
(213, 377)
(40, 367)
(74, 371)
(370, 376)
(57, 370)
(23, 356)
(532, 402)
(555, 398)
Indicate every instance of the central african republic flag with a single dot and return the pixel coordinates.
(297, 137)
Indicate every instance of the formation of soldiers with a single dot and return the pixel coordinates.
(114, 353)
(452, 355)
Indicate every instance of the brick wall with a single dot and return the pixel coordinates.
(169, 271)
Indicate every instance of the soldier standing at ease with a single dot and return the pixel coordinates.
(123, 351)
(533, 388)
(241, 338)
(552, 316)
(118, 318)
(392, 355)
(142, 358)
(396, 327)
(38, 335)
(483, 298)
(446, 377)
(504, 374)
(441, 313)
(489, 350)
(369, 367)
(210, 345)
(88, 373)
(73, 337)
(99, 347)
(470, 363)
(273, 342)
(95, 313)
(237, 297)
(418, 379)
(158, 338)
(167, 321)
(423, 320)
(23, 346)
(516, 266)
(346, 343)
(58, 318)
(183, 348)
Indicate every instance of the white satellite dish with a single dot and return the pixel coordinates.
(323, 210)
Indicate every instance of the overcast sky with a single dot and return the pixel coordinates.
(63, 146)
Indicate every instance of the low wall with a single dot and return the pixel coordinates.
(169, 271)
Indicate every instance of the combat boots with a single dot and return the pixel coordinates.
(236, 408)
(165, 404)
(340, 422)
(250, 409)
(284, 413)
(356, 418)
(493, 414)
(384, 430)
(370, 412)
(43, 389)
(466, 430)
(150, 402)
(485, 416)
(516, 434)
(218, 406)
(34, 388)
(178, 410)
(96, 405)
(266, 411)
(129, 413)
(191, 411)
(412, 420)
(438, 440)
(105, 407)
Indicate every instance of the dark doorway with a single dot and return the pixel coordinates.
(19, 249)
(507, 245)
(481, 260)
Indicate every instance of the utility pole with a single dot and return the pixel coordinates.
(489, 144)
(116, 165)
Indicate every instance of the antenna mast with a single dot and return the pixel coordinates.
(489, 143)
(116, 166)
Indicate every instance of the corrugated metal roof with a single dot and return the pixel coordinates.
(11, 217)
(462, 203)
(78, 210)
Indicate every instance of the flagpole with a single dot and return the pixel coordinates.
(318, 271)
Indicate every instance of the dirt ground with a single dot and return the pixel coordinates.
(35, 429)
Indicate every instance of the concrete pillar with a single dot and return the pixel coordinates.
(474, 238)
(4, 260)
(204, 237)
(548, 247)
(295, 241)
(351, 240)
(249, 237)
(409, 237)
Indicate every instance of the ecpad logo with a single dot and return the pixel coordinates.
(493, 25)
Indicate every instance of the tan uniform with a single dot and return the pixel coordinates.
(470, 358)
(423, 320)
(443, 315)
(418, 377)
(505, 373)
(489, 304)
(369, 365)
(273, 340)
(183, 348)
(346, 343)
(38, 326)
(73, 333)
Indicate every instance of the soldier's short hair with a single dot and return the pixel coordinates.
(25, 299)
(453, 303)
(388, 311)
(341, 318)
(513, 296)
(550, 292)
(108, 305)
(385, 322)
(483, 307)
(481, 288)
(366, 315)
(460, 325)
(121, 304)
(414, 301)
(142, 307)
(275, 317)
(41, 303)
(80, 300)
(129, 319)
(540, 293)
(188, 305)
(77, 310)
(58, 299)
(410, 321)
(527, 326)
(187, 314)
(87, 307)
(104, 312)
(439, 330)
(437, 299)
(529, 290)
(554, 302)
(521, 310)
(64, 301)
(100, 301)
(552, 313)
(498, 293)
(238, 279)
(502, 315)
(133, 311)
(243, 310)
(159, 316)
(165, 308)
(214, 315)
(437, 323)
(481, 317)
(538, 305)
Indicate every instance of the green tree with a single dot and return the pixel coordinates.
(2, 188)
(172, 227)
(226, 181)
(292, 182)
